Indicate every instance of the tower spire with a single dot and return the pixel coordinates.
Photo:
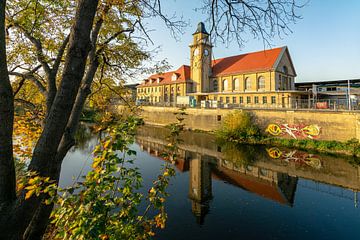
(201, 29)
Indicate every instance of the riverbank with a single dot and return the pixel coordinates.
(350, 148)
(240, 127)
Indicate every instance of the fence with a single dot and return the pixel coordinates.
(320, 104)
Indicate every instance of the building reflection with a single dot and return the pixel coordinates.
(200, 187)
(203, 169)
(267, 172)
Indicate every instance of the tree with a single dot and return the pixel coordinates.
(59, 47)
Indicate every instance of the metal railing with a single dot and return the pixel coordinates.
(320, 104)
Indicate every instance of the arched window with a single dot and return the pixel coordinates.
(215, 86)
(247, 84)
(236, 84)
(225, 85)
(261, 83)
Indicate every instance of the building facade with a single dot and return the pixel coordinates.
(258, 79)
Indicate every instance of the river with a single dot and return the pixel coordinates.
(242, 192)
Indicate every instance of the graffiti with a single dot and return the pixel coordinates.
(294, 130)
(301, 158)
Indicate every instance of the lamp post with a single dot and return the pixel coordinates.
(348, 95)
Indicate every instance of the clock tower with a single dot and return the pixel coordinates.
(200, 60)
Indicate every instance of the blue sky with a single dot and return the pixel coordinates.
(324, 45)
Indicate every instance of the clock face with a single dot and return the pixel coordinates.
(196, 52)
(206, 52)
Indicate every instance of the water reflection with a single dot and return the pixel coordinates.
(271, 173)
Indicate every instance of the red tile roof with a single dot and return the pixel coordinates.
(182, 72)
(253, 184)
(249, 62)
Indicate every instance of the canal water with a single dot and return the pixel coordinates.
(222, 191)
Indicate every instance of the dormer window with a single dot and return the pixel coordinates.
(174, 77)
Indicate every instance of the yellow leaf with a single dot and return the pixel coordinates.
(29, 194)
(20, 186)
(106, 144)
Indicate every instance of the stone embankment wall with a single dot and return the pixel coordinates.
(340, 126)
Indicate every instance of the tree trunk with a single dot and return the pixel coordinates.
(79, 46)
(7, 170)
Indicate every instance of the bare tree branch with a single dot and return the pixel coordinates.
(38, 45)
(263, 19)
(30, 76)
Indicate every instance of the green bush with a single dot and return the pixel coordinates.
(239, 126)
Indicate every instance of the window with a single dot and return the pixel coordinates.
(248, 99)
(172, 89)
(234, 100)
(285, 83)
(215, 98)
(285, 70)
(241, 99)
(236, 85)
(155, 99)
(225, 85)
(264, 99)
(227, 99)
(261, 83)
(221, 99)
(280, 84)
(256, 99)
(166, 89)
(247, 84)
(174, 77)
(152, 89)
(178, 89)
(215, 85)
(273, 100)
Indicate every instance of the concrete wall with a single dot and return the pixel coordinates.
(340, 126)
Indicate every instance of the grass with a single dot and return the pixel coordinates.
(351, 147)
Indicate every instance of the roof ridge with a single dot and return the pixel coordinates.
(270, 49)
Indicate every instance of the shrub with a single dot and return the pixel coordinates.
(239, 126)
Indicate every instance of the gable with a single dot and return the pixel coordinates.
(285, 61)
